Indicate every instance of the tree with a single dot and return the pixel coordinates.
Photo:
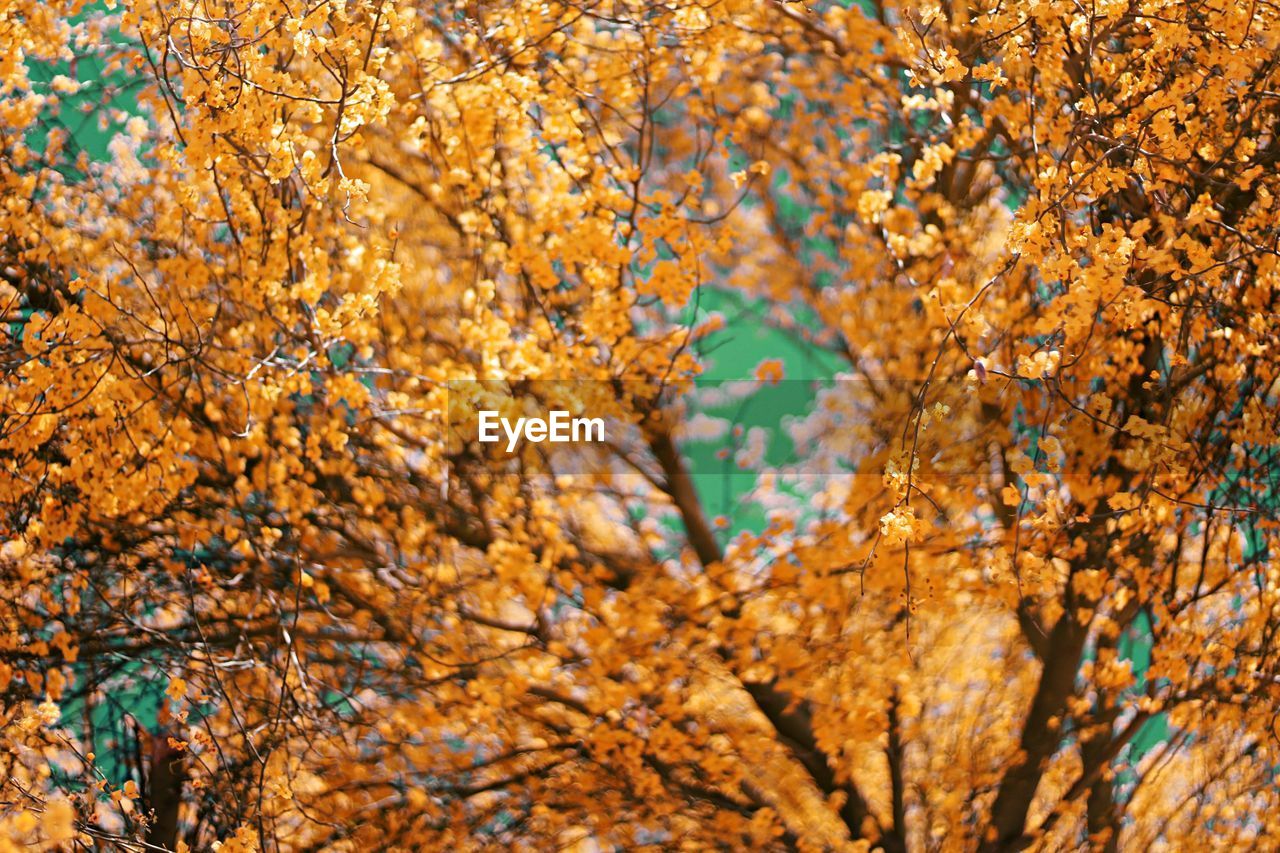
(243, 359)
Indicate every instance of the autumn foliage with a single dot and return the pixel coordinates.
(256, 588)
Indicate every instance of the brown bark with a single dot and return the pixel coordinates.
(163, 795)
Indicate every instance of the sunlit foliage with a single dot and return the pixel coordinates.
(1038, 239)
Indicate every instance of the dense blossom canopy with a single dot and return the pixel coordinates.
(257, 587)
